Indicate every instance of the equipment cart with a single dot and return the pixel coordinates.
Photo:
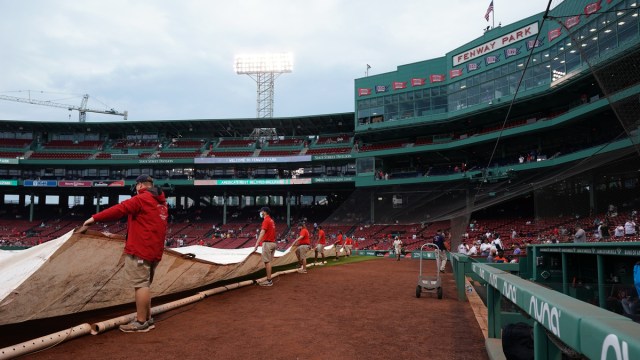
(429, 283)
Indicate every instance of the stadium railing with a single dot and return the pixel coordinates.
(561, 323)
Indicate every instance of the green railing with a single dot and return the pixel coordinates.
(561, 323)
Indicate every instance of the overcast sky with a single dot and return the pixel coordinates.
(161, 59)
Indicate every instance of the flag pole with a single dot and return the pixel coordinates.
(493, 15)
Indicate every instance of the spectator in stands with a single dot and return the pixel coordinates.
(397, 245)
(580, 236)
(463, 248)
(618, 233)
(439, 241)
(267, 238)
(497, 242)
(488, 234)
(485, 247)
(629, 228)
(492, 255)
(338, 245)
(322, 240)
(304, 244)
(517, 250)
(147, 226)
(631, 305)
(603, 230)
(614, 302)
(473, 250)
(499, 258)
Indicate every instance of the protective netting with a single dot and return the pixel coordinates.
(592, 43)
(604, 36)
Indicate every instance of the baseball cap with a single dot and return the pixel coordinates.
(266, 209)
(144, 178)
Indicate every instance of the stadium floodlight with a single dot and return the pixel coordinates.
(254, 64)
(264, 69)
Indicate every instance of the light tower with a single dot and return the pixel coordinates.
(264, 69)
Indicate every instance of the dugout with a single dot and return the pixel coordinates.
(591, 272)
(562, 291)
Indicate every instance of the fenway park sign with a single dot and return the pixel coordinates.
(495, 44)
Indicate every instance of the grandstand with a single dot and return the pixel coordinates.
(530, 140)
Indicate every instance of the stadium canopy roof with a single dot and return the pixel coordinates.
(289, 126)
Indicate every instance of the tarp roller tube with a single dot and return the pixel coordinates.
(112, 323)
(44, 342)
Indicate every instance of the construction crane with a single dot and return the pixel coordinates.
(82, 109)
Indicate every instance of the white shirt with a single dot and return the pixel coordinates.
(397, 243)
(497, 241)
(462, 249)
(629, 228)
(485, 247)
(619, 232)
(473, 250)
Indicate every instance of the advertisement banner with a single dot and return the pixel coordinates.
(338, 179)
(252, 159)
(74, 183)
(108, 183)
(8, 182)
(242, 182)
(425, 255)
(41, 183)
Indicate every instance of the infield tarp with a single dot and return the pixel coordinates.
(81, 272)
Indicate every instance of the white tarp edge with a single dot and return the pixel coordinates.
(223, 256)
(17, 266)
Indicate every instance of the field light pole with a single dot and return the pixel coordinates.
(264, 69)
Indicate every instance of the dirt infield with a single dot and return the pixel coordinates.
(365, 310)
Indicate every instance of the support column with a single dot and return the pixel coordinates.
(592, 195)
(32, 197)
(288, 208)
(534, 263)
(63, 202)
(602, 297)
(459, 275)
(224, 208)
(372, 205)
(113, 199)
(98, 198)
(493, 310)
(565, 276)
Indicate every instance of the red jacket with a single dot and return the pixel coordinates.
(147, 223)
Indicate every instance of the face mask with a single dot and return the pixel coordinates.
(261, 214)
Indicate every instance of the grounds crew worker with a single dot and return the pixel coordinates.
(147, 228)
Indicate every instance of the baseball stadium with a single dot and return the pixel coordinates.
(519, 150)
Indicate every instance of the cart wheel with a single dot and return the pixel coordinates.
(439, 291)
(418, 291)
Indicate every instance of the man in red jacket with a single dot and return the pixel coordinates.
(147, 226)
